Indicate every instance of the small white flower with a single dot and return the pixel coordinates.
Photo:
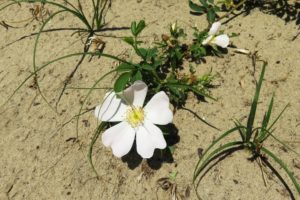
(220, 40)
(135, 120)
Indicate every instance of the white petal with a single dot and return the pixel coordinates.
(207, 40)
(243, 51)
(120, 138)
(136, 93)
(214, 28)
(221, 40)
(112, 110)
(148, 138)
(157, 110)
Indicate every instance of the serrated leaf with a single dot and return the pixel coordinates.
(121, 82)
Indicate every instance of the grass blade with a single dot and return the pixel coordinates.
(58, 59)
(34, 56)
(267, 116)
(241, 130)
(214, 143)
(10, 4)
(269, 131)
(277, 118)
(87, 95)
(254, 104)
(282, 164)
(212, 155)
(77, 14)
(282, 143)
(97, 133)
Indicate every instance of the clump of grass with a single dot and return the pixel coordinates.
(251, 138)
(91, 28)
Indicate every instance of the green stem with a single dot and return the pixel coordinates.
(232, 9)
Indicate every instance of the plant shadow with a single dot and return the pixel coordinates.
(281, 8)
(133, 159)
(224, 154)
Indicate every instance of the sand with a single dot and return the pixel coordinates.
(40, 160)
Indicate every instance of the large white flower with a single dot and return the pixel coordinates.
(135, 120)
(220, 40)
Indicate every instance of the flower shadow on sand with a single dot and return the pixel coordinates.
(133, 159)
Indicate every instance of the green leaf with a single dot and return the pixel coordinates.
(211, 15)
(285, 145)
(136, 29)
(142, 52)
(196, 8)
(140, 27)
(125, 67)
(241, 130)
(204, 3)
(121, 82)
(148, 67)
(191, 88)
(251, 116)
(129, 40)
(137, 76)
(133, 28)
(266, 119)
(283, 165)
(217, 9)
(277, 118)
(151, 53)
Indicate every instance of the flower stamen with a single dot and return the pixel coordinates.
(135, 116)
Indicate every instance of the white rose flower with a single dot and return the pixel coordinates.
(136, 122)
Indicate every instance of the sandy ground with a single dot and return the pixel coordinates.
(40, 161)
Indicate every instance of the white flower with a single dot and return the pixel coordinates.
(135, 120)
(220, 40)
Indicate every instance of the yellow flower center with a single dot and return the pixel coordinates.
(135, 116)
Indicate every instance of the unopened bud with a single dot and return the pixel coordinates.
(165, 37)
